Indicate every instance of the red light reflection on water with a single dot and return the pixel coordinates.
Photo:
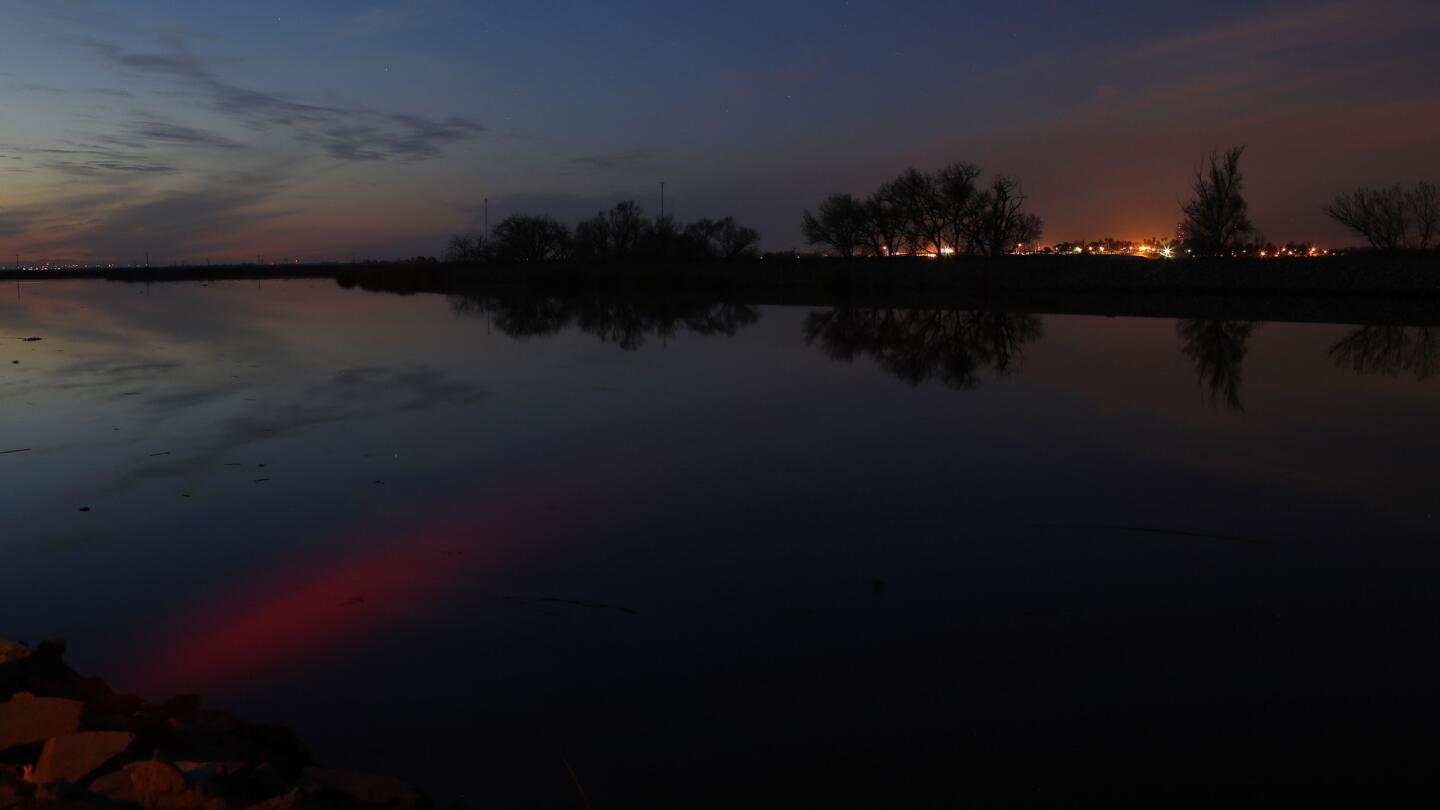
(320, 606)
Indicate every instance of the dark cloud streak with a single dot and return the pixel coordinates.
(349, 132)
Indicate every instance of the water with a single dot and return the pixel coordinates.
(692, 549)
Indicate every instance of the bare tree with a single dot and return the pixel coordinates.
(527, 239)
(838, 225)
(468, 248)
(936, 214)
(1217, 218)
(884, 224)
(1379, 215)
(955, 185)
(1424, 200)
(721, 239)
(736, 241)
(997, 222)
(918, 198)
(1393, 218)
(610, 235)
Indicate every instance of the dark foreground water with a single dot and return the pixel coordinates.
(699, 550)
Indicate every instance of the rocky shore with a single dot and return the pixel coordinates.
(70, 741)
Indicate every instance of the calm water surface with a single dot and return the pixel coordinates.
(699, 547)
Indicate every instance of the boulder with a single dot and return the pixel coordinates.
(73, 757)
(159, 786)
(365, 788)
(116, 787)
(154, 785)
(27, 720)
(13, 652)
(12, 667)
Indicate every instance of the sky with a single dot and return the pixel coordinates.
(325, 129)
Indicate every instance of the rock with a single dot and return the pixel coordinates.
(156, 781)
(159, 786)
(154, 785)
(365, 788)
(116, 787)
(73, 757)
(26, 719)
(12, 667)
(13, 652)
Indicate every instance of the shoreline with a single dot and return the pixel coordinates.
(1401, 290)
(71, 739)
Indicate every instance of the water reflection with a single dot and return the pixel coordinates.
(1390, 350)
(623, 321)
(1218, 349)
(448, 510)
(917, 345)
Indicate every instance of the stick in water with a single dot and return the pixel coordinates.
(574, 777)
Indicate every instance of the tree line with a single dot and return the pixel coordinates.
(621, 234)
(1391, 220)
(946, 213)
(942, 213)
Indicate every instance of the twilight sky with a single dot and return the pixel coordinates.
(225, 130)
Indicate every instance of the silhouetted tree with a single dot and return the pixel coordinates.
(662, 240)
(722, 239)
(883, 231)
(1390, 350)
(934, 214)
(922, 205)
(839, 224)
(612, 235)
(1393, 218)
(1217, 218)
(525, 239)
(955, 186)
(468, 248)
(997, 223)
(1218, 350)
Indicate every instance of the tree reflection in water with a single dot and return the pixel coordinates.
(917, 345)
(623, 321)
(1390, 350)
(1218, 348)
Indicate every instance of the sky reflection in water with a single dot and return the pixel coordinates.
(664, 533)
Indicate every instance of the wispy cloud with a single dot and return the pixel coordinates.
(145, 133)
(1322, 25)
(87, 160)
(345, 132)
(610, 162)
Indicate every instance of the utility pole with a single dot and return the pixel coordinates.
(487, 218)
(662, 199)
(147, 259)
